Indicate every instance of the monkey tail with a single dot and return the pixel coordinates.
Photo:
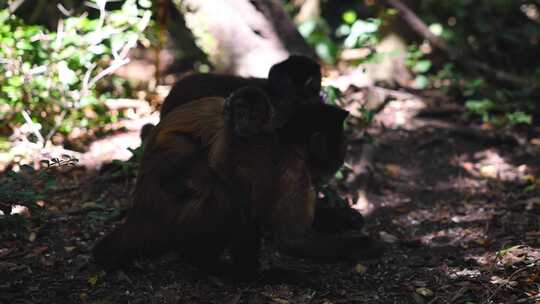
(140, 235)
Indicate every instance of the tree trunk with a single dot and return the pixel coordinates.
(243, 37)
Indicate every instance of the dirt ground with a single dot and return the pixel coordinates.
(456, 204)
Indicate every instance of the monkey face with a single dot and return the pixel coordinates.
(249, 111)
(320, 127)
(248, 117)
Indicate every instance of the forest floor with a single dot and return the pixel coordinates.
(456, 203)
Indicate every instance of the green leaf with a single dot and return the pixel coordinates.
(8, 42)
(332, 94)
(307, 28)
(145, 3)
(436, 29)
(519, 117)
(349, 16)
(422, 66)
(65, 74)
(326, 51)
(367, 115)
(23, 45)
(16, 81)
(361, 31)
(421, 82)
(98, 49)
(480, 106)
(343, 30)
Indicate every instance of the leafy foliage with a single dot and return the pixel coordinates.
(502, 34)
(53, 77)
(317, 33)
(351, 33)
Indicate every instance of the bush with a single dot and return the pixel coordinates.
(502, 34)
(53, 78)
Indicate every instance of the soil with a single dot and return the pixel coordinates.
(456, 204)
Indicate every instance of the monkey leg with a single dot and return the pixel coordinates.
(245, 250)
(204, 252)
(206, 226)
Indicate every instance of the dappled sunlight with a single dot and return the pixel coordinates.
(462, 200)
(457, 236)
(400, 114)
(116, 146)
(437, 200)
(19, 209)
(490, 164)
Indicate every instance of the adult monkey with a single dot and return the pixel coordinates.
(294, 88)
(220, 198)
(290, 84)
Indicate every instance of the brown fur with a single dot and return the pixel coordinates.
(293, 87)
(220, 193)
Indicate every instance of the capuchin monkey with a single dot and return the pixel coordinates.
(294, 89)
(200, 190)
(187, 196)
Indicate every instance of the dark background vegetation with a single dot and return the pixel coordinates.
(443, 157)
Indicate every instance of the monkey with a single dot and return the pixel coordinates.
(294, 88)
(193, 210)
(223, 196)
(290, 83)
(292, 213)
(205, 211)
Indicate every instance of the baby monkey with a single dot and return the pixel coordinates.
(249, 112)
